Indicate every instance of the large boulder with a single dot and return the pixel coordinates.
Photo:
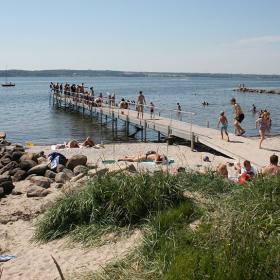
(80, 169)
(41, 181)
(29, 156)
(19, 175)
(6, 183)
(38, 169)
(12, 172)
(27, 164)
(2, 194)
(16, 155)
(61, 177)
(5, 160)
(60, 168)
(50, 174)
(9, 166)
(2, 135)
(68, 172)
(35, 191)
(75, 161)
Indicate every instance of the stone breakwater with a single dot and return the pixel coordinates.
(257, 90)
(17, 164)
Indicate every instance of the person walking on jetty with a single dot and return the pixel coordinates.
(179, 113)
(141, 101)
(263, 124)
(152, 110)
(224, 125)
(239, 117)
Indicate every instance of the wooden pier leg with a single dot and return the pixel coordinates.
(64, 102)
(127, 126)
(158, 135)
(192, 142)
(142, 130)
(116, 127)
(101, 117)
(145, 131)
(91, 112)
(106, 119)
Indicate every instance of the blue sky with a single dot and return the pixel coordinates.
(238, 36)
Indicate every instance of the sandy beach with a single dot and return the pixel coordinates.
(18, 214)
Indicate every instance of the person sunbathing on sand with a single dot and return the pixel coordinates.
(273, 168)
(75, 144)
(152, 155)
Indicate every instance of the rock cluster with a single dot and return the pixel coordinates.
(16, 164)
(257, 90)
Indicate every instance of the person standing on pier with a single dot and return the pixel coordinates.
(179, 114)
(152, 110)
(263, 124)
(141, 101)
(224, 125)
(239, 117)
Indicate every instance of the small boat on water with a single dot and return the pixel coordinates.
(6, 84)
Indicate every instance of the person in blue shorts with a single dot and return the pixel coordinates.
(224, 125)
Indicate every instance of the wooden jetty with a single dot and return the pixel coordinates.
(239, 148)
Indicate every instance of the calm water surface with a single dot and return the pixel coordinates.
(26, 114)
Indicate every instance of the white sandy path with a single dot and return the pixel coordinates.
(33, 262)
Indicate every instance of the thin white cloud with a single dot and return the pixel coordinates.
(254, 41)
(260, 40)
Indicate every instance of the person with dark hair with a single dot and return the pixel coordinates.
(239, 117)
(273, 168)
(140, 104)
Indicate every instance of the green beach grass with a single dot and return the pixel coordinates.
(237, 237)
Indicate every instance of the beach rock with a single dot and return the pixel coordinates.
(60, 168)
(41, 181)
(57, 185)
(92, 166)
(2, 194)
(19, 175)
(30, 176)
(5, 161)
(97, 172)
(41, 160)
(80, 169)
(6, 183)
(61, 177)
(17, 155)
(35, 191)
(15, 192)
(50, 174)
(77, 177)
(8, 167)
(38, 169)
(27, 164)
(29, 156)
(12, 172)
(68, 172)
(75, 161)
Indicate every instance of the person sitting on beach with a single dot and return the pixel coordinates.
(247, 172)
(222, 171)
(75, 144)
(273, 168)
(152, 156)
(224, 125)
(239, 117)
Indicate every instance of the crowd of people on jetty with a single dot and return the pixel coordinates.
(80, 93)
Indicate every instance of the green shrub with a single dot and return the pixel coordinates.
(119, 200)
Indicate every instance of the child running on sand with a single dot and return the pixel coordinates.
(224, 124)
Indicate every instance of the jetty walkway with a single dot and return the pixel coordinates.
(239, 148)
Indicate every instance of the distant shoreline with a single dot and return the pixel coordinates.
(113, 73)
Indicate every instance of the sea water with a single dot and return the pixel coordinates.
(26, 112)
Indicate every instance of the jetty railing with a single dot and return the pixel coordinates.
(171, 119)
